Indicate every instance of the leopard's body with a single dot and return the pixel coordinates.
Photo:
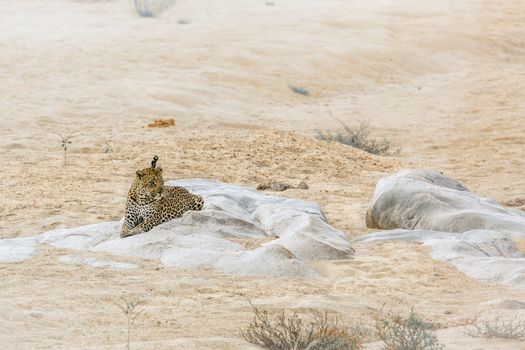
(151, 203)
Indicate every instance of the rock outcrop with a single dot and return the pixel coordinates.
(239, 231)
(472, 232)
(481, 254)
(428, 200)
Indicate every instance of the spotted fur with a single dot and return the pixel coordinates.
(151, 203)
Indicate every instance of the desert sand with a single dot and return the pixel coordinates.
(443, 81)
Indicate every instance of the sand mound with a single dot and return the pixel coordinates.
(285, 233)
(428, 200)
(91, 195)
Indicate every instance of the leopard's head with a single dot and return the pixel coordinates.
(147, 186)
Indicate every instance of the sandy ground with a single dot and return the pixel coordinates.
(442, 80)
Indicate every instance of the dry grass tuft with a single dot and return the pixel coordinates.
(498, 328)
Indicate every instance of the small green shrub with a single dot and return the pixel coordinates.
(65, 141)
(406, 333)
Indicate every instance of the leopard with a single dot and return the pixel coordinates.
(150, 202)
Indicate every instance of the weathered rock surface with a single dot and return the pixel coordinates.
(285, 234)
(472, 232)
(428, 200)
(482, 254)
(16, 249)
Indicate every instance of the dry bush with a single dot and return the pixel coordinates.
(292, 332)
(358, 137)
(406, 333)
(152, 8)
(498, 328)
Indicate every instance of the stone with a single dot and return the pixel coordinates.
(302, 185)
(239, 231)
(428, 200)
(482, 254)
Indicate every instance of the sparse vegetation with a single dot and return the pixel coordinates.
(292, 332)
(331, 343)
(152, 8)
(406, 333)
(64, 142)
(498, 328)
(128, 308)
(358, 137)
(108, 144)
(299, 90)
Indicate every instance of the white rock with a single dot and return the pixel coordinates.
(295, 231)
(481, 254)
(17, 249)
(475, 233)
(76, 260)
(428, 200)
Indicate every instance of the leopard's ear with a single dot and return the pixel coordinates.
(140, 173)
(158, 170)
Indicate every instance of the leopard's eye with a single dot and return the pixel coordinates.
(152, 183)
